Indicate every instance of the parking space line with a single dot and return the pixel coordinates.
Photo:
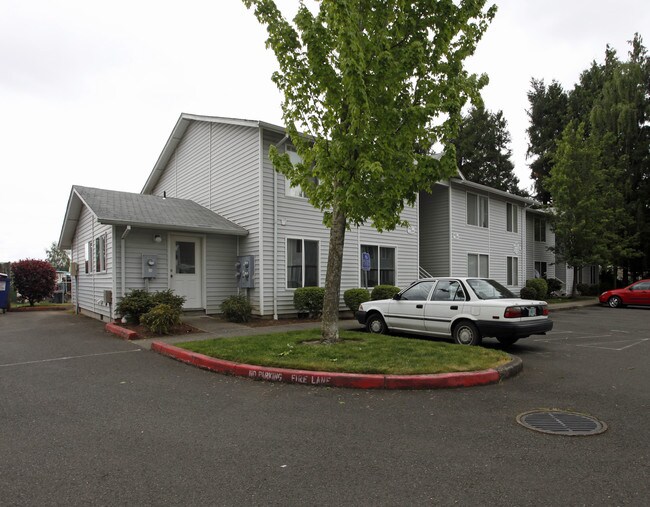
(573, 337)
(70, 357)
(597, 345)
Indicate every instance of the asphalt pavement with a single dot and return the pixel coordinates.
(86, 418)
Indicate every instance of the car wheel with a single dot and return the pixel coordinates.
(466, 333)
(507, 341)
(375, 324)
(615, 302)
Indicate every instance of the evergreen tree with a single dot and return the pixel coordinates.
(483, 152)
(548, 117)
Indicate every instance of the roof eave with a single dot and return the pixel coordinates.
(181, 228)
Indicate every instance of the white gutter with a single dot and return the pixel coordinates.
(123, 258)
(260, 272)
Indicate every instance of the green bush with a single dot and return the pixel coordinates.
(237, 309)
(167, 297)
(528, 293)
(309, 300)
(540, 287)
(588, 290)
(383, 292)
(135, 304)
(354, 297)
(554, 285)
(138, 302)
(161, 318)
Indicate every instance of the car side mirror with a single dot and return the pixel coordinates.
(397, 297)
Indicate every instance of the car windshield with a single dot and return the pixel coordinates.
(489, 289)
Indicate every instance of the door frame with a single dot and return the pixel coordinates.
(200, 251)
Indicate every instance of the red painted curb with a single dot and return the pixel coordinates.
(123, 333)
(330, 379)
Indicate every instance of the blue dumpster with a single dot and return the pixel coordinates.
(4, 292)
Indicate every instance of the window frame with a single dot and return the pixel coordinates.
(302, 260)
(88, 257)
(378, 269)
(512, 271)
(539, 228)
(99, 258)
(482, 213)
(478, 256)
(512, 218)
(543, 273)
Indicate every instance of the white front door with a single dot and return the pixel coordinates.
(185, 270)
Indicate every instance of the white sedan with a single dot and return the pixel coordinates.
(463, 308)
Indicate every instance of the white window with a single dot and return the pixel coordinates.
(540, 269)
(512, 221)
(292, 191)
(513, 271)
(100, 253)
(540, 229)
(302, 263)
(477, 210)
(88, 255)
(478, 265)
(382, 266)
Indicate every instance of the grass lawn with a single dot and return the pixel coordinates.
(359, 352)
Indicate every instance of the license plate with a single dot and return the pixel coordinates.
(532, 311)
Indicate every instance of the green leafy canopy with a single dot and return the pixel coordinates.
(369, 89)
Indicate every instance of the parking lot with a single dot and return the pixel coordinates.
(86, 418)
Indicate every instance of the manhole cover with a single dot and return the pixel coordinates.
(560, 422)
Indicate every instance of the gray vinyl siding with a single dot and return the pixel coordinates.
(137, 243)
(466, 239)
(220, 282)
(538, 251)
(88, 289)
(494, 241)
(434, 231)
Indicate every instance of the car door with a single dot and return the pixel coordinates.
(639, 294)
(407, 312)
(446, 302)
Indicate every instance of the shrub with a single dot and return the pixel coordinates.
(383, 292)
(539, 285)
(354, 297)
(587, 290)
(528, 293)
(236, 309)
(554, 285)
(135, 304)
(167, 297)
(35, 280)
(309, 300)
(161, 318)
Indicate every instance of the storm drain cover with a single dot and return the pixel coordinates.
(559, 422)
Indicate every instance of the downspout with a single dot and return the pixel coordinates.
(275, 235)
(451, 234)
(123, 259)
(260, 273)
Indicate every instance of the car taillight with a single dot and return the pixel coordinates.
(544, 310)
(512, 312)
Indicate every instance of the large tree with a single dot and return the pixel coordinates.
(483, 150)
(57, 257)
(548, 117)
(369, 88)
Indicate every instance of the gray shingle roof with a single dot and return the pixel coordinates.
(138, 210)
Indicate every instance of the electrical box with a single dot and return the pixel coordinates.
(108, 297)
(74, 269)
(149, 266)
(245, 271)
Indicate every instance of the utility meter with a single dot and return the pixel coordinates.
(149, 266)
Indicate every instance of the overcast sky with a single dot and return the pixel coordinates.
(90, 91)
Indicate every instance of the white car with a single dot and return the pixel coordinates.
(464, 308)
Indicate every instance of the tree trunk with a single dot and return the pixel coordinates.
(330, 320)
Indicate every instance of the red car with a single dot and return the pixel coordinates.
(636, 294)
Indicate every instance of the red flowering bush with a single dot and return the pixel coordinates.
(34, 279)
